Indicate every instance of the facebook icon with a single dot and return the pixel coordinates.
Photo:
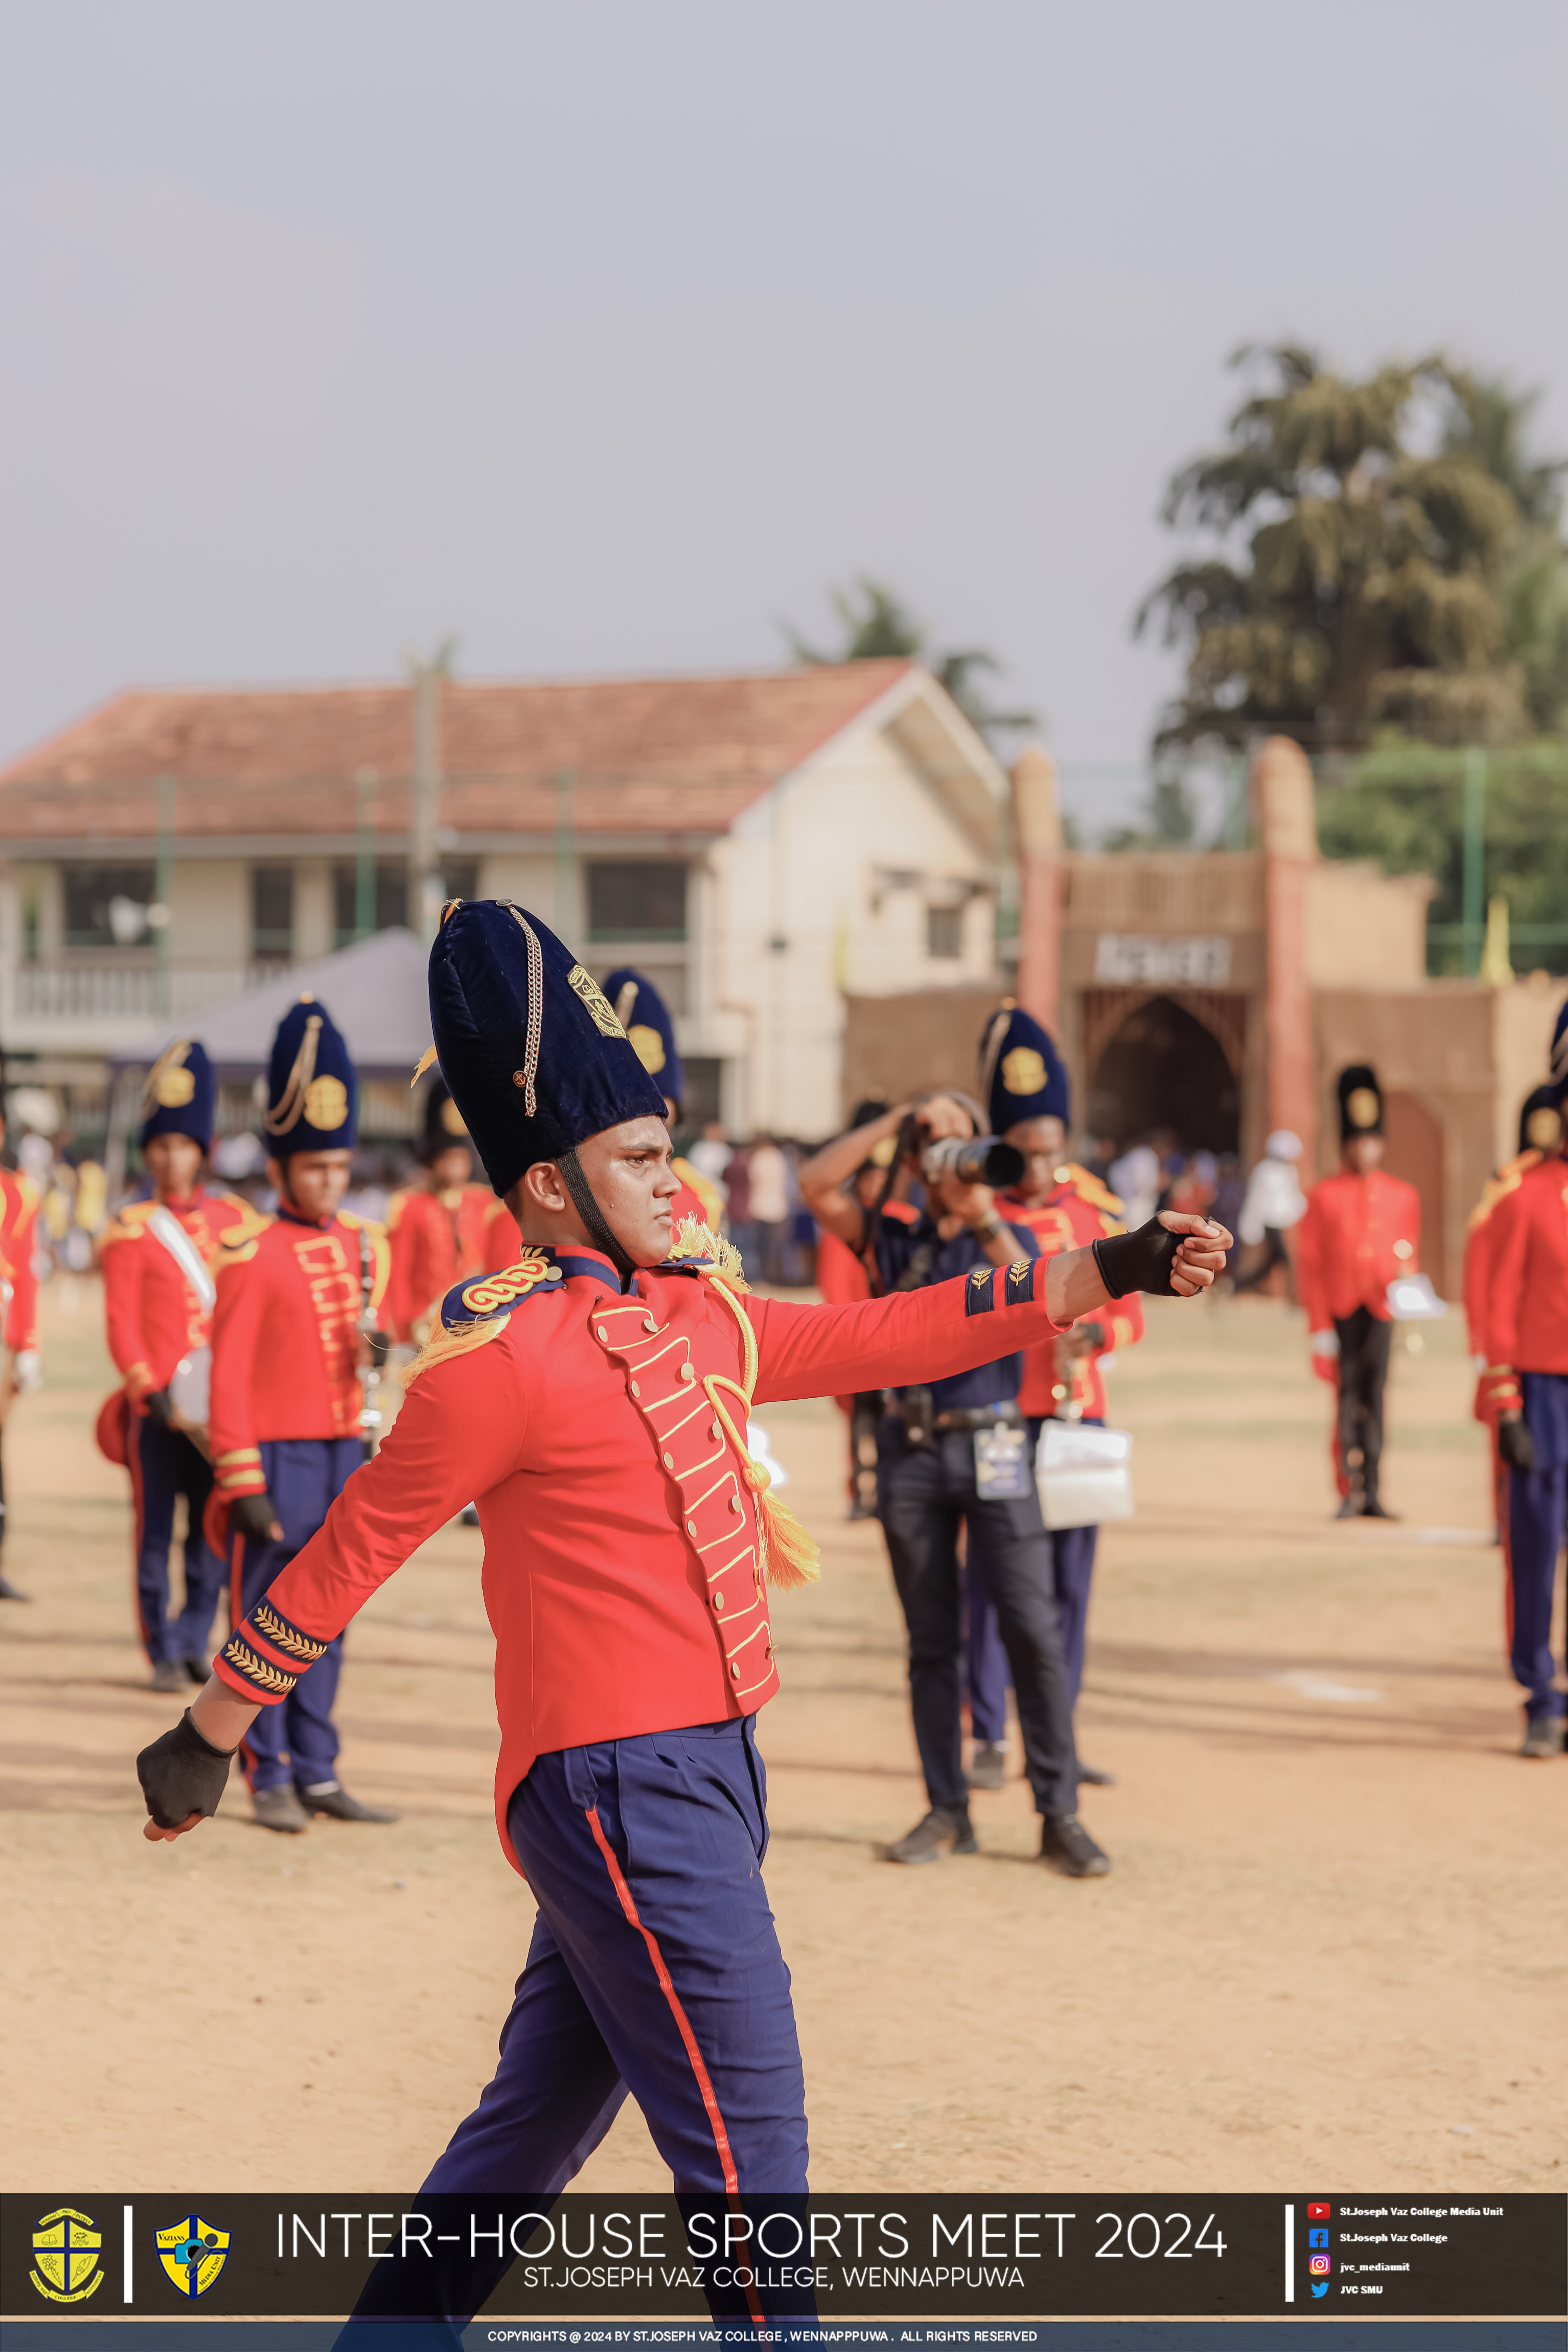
(1317, 2237)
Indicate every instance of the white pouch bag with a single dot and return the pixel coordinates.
(1412, 1299)
(1084, 1473)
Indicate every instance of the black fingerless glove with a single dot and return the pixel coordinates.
(1515, 1443)
(183, 1774)
(254, 1516)
(1140, 1261)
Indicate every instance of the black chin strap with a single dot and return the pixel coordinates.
(593, 1216)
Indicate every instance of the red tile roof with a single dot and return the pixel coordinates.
(656, 754)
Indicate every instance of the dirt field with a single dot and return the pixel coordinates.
(1332, 1949)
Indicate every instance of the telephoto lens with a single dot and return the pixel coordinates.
(973, 1160)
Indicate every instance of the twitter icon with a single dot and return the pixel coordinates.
(1320, 2286)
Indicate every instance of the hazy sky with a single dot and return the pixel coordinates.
(605, 335)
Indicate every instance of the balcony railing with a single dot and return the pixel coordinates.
(111, 988)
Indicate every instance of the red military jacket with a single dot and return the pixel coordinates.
(603, 1436)
(1359, 1232)
(18, 1277)
(1478, 1234)
(152, 1313)
(435, 1239)
(1525, 1310)
(285, 1343)
(1080, 1209)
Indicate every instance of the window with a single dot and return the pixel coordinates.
(944, 932)
(387, 900)
(106, 905)
(271, 910)
(636, 901)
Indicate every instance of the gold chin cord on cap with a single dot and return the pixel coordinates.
(292, 1103)
(535, 1007)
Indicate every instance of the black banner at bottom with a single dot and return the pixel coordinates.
(641, 2259)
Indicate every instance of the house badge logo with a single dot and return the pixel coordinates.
(193, 2253)
(65, 2247)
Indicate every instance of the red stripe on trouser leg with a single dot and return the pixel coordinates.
(683, 2024)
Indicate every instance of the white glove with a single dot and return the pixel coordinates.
(27, 1371)
(1325, 1343)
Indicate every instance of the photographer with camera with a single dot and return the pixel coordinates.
(956, 1454)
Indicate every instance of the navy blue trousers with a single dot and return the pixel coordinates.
(163, 1466)
(654, 1970)
(1537, 1518)
(297, 1741)
(985, 1659)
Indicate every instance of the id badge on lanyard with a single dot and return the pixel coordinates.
(1001, 1463)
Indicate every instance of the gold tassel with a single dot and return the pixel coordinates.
(790, 1550)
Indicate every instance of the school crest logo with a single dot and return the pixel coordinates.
(66, 2246)
(193, 2253)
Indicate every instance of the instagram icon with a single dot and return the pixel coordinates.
(1320, 2265)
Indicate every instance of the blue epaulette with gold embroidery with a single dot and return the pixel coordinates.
(486, 1296)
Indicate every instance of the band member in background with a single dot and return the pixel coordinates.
(21, 1370)
(1540, 1136)
(295, 1306)
(1023, 1083)
(843, 1277)
(1361, 1228)
(158, 1257)
(1525, 1390)
(645, 1016)
(438, 1231)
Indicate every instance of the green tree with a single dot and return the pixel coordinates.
(1492, 425)
(1369, 536)
(877, 625)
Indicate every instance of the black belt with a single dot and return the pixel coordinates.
(980, 1417)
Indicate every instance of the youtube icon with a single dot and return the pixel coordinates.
(1317, 2212)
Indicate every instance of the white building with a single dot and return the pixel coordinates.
(762, 846)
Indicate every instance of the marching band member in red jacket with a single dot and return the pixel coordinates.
(1361, 1228)
(594, 1399)
(646, 1018)
(1540, 1135)
(1524, 1391)
(295, 1307)
(18, 1311)
(158, 1257)
(438, 1233)
(1023, 1083)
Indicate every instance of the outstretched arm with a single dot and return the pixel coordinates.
(954, 1326)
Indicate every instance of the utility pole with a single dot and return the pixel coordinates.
(1474, 858)
(425, 889)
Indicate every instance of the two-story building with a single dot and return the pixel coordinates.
(762, 845)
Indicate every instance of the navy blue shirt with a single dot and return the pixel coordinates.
(896, 1244)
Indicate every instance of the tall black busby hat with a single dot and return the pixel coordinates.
(527, 1040)
(310, 1085)
(644, 1015)
(1361, 1102)
(1022, 1075)
(180, 1094)
(444, 1128)
(1541, 1119)
(1558, 1064)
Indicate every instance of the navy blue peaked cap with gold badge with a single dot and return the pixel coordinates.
(310, 1085)
(1022, 1075)
(527, 1040)
(180, 1094)
(645, 1016)
(1558, 1063)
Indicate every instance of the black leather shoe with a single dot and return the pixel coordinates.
(9, 1592)
(330, 1797)
(941, 1833)
(1350, 1509)
(1373, 1510)
(988, 1765)
(1089, 1778)
(169, 1674)
(199, 1669)
(1542, 1736)
(280, 1809)
(1066, 1845)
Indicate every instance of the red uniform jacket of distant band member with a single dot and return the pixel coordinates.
(1076, 1211)
(18, 1222)
(1359, 1232)
(284, 1346)
(435, 1239)
(1525, 1321)
(623, 1572)
(153, 1314)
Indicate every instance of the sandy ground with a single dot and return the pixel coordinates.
(1333, 1948)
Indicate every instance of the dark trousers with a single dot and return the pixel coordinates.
(1364, 1342)
(297, 1741)
(986, 1660)
(163, 1466)
(1533, 1535)
(925, 1494)
(1274, 1253)
(654, 1970)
